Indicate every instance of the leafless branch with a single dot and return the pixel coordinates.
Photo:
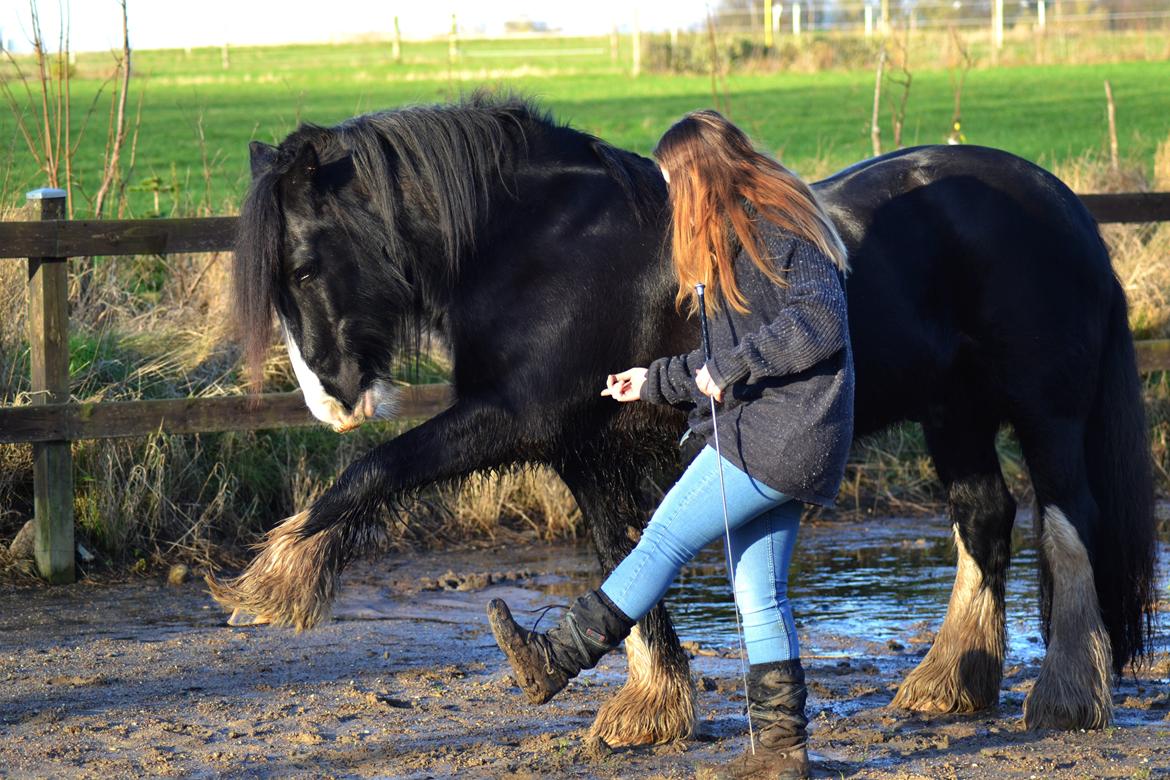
(125, 179)
(875, 127)
(119, 129)
(1111, 111)
(898, 113)
(723, 105)
(958, 76)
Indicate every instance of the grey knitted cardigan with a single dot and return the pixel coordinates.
(786, 370)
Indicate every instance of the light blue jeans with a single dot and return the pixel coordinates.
(763, 526)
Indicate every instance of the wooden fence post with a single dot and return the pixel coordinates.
(48, 339)
(996, 30)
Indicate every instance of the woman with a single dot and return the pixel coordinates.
(782, 373)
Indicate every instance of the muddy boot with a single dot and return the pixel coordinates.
(544, 663)
(776, 695)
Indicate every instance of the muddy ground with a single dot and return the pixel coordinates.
(145, 679)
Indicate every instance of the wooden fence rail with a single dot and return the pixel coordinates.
(51, 422)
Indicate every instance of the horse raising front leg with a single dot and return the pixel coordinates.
(657, 703)
(1073, 690)
(963, 669)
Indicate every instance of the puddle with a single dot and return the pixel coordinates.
(855, 588)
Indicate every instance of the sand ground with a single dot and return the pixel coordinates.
(145, 679)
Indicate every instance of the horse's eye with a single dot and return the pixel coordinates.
(302, 275)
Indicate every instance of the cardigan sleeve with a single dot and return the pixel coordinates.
(811, 327)
(671, 380)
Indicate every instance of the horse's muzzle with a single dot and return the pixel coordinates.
(377, 402)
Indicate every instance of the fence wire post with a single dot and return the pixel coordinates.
(48, 339)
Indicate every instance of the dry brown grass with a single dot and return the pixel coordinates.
(534, 497)
(1141, 253)
(148, 330)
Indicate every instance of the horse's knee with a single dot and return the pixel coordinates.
(1073, 690)
(983, 512)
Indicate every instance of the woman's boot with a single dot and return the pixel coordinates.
(776, 696)
(544, 663)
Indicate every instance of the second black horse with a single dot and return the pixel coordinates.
(981, 295)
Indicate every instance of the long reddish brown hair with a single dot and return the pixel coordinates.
(715, 172)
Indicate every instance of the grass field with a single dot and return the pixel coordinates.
(198, 117)
(155, 328)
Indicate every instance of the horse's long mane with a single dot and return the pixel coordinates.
(452, 159)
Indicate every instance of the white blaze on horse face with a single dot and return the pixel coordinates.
(324, 407)
(378, 402)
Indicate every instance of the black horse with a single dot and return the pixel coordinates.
(981, 295)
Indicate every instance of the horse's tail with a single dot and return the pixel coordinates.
(294, 578)
(1123, 545)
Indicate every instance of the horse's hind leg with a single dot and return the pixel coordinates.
(963, 669)
(657, 702)
(1073, 689)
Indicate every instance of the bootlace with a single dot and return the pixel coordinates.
(540, 640)
(543, 611)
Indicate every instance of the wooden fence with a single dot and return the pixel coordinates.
(51, 421)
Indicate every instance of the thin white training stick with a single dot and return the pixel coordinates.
(699, 289)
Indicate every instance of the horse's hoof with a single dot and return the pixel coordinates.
(1065, 714)
(656, 705)
(1069, 696)
(964, 667)
(941, 683)
(1073, 689)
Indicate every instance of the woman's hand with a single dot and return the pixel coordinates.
(706, 386)
(625, 386)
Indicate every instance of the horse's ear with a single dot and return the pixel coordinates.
(303, 170)
(262, 157)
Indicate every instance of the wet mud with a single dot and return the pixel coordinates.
(145, 678)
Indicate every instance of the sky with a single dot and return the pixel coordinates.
(95, 24)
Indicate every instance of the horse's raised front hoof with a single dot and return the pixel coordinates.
(943, 682)
(656, 705)
(1057, 702)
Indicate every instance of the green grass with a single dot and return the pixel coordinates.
(816, 122)
(153, 328)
